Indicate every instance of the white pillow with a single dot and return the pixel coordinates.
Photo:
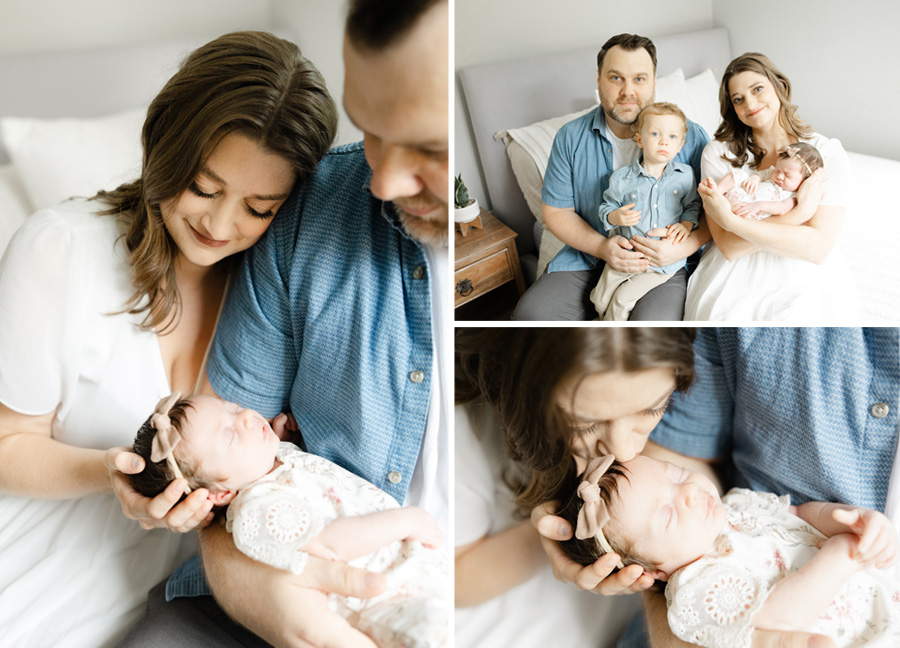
(57, 159)
(703, 96)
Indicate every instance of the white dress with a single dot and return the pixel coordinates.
(764, 286)
(275, 516)
(75, 572)
(542, 611)
(711, 602)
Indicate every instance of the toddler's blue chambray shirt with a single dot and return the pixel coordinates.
(808, 412)
(672, 198)
(329, 317)
(578, 171)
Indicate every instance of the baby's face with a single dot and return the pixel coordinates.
(226, 443)
(788, 174)
(674, 514)
(661, 137)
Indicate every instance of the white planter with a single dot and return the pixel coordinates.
(468, 213)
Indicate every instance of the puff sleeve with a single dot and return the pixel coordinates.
(40, 284)
(271, 524)
(711, 603)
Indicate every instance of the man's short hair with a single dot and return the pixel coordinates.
(375, 24)
(629, 42)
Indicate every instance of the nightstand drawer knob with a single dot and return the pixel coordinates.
(465, 287)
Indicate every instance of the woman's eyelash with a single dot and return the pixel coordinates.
(194, 189)
(580, 432)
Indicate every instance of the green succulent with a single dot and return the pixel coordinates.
(461, 193)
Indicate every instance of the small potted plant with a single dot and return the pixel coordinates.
(467, 209)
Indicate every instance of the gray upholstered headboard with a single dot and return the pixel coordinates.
(89, 83)
(517, 93)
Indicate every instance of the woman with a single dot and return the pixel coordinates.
(532, 405)
(110, 303)
(784, 267)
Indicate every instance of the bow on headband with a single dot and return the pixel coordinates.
(167, 437)
(593, 514)
(793, 152)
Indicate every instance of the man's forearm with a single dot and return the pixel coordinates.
(655, 611)
(573, 230)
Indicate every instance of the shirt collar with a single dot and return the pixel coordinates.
(639, 170)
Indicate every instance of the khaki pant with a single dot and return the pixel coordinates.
(617, 292)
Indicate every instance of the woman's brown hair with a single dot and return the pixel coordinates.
(251, 83)
(517, 372)
(735, 133)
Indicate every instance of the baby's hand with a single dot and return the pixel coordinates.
(842, 547)
(878, 542)
(744, 210)
(677, 232)
(625, 215)
(425, 528)
(285, 428)
(751, 184)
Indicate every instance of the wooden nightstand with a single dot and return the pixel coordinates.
(485, 259)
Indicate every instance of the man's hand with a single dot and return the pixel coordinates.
(625, 215)
(620, 254)
(677, 232)
(878, 543)
(596, 577)
(287, 610)
(193, 513)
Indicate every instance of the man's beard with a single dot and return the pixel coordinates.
(429, 232)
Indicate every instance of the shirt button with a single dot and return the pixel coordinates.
(419, 272)
(654, 206)
(417, 376)
(879, 410)
(394, 477)
(675, 192)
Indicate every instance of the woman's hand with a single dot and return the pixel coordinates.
(716, 206)
(162, 511)
(810, 193)
(597, 577)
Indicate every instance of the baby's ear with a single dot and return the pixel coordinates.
(221, 498)
(657, 574)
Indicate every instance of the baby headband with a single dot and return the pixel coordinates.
(167, 437)
(793, 152)
(594, 514)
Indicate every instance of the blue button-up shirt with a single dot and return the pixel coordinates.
(328, 318)
(796, 410)
(578, 172)
(671, 198)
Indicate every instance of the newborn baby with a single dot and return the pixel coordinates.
(285, 505)
(748, 560)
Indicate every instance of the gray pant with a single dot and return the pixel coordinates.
(566, 296)
(193, 621)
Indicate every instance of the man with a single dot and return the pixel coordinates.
(335, 316)
(585, 153)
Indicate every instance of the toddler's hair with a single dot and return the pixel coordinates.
(660, 108)
(586, 551)
(156, 475)
(810, 159)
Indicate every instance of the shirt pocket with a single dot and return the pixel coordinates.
(673, 198)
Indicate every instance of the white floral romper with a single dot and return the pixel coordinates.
(275, 516)
(712, 601)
